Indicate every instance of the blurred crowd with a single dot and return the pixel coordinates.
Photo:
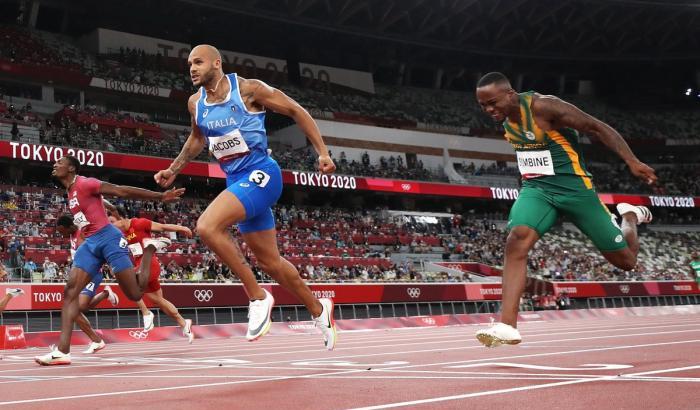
(331, 244)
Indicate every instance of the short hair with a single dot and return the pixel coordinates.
(121, 211)
(65, 220)
(493, 77)
(74, 162)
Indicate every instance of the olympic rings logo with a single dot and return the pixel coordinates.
(203, 295)
(413, 292)
(138, 334)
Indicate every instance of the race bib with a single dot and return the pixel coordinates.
(259, 178)
(80, 220)
(229, 146)
(136, 249)
(535, 163)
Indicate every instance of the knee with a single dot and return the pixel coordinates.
(71, 292)
(626, 262)
(134, 295)
(205, 230)
(270, 265)
(519, 241)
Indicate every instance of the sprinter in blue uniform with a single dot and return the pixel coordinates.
(228, 116)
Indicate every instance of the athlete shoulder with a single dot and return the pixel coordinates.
(550, 107)
(192, 101)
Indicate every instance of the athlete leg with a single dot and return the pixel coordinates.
(166, 306)
(531, 216)
(97, 299)
(619, 244)
(70, 310)
(133, 281)
(264, 246)
(213, 226)
(520, 241)
(143, 308)
(4, 301)
(626, 259)
(85, 303)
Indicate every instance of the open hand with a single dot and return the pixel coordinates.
(173, 194)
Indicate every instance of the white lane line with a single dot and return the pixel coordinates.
(678, 369)
(467, 338)
(121, 348)
(160, 389)
(481, 393)
(661, 379)
(595, 349)
(394, 353)
(444, 349)
(502, 391)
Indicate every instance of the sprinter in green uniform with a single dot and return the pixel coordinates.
(544, 132)
(695, 267)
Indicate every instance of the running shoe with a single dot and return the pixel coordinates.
(55, 358)
(14, 292)
(643, 213)
(497, 334)
(112, 296)
(148, 321)
(259, 320)
(161, 244)
(95, 347)
(187, 330)
(326, 323)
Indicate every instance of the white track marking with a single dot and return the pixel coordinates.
(583, 367)
(444, 349)
(467, 330)
(347, 372)
(678, 369)
(594, 349)
(159, 389)
(501, 391)
(37, 368)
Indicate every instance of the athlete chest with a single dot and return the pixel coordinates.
(222, 117)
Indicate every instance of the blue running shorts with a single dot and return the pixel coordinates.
(107, 245)
(258, 188)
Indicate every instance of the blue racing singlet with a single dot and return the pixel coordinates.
(235, 136)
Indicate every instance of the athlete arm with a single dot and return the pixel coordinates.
(130, 192)
(156, 227)
(193, 146)
(273, 99)
(563, 114)
(108, 206)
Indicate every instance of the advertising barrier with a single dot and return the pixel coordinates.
(100, 159)
(50, 296)
(43, 339)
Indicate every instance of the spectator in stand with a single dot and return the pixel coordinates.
(50, 269)
(29, 268)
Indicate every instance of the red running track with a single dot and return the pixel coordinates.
(617, 363)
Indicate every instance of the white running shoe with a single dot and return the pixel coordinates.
(643, 213)
(148, 321)
(14, 292)
(55, 358)
(259, 320)
(95, 347)
(497, 334)
(113, 297)
(161, 244)
(187, 330)
(326, 323)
